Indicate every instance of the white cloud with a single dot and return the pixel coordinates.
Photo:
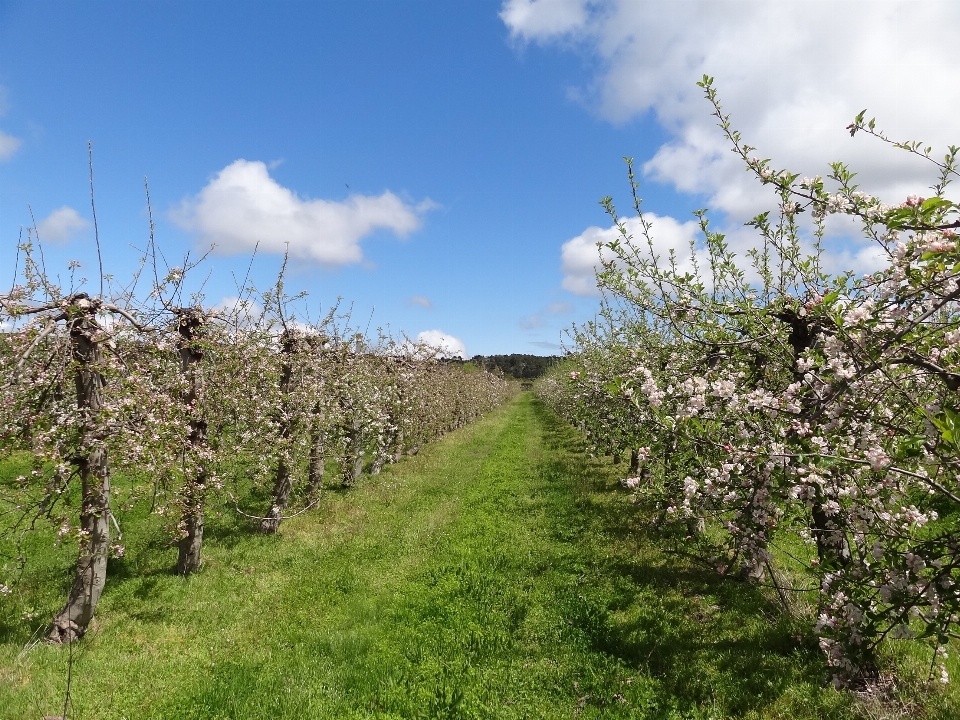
(539, 319)
(420, 300)
(580, 257)
(445, 345)
(860, 258)
(243, 206)
(242, 311)
(8, 146)
(62, 225)
(534, 19)
(793, 75)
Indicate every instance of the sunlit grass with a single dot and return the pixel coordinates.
(498, 574)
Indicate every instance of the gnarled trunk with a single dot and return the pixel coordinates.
(317, 462)
(379, 459)
(833, 549)
(283, 485)
(188, 548)
(282, 488)
(353, 457)
(194, 491)
(397, 447)
(92, 466)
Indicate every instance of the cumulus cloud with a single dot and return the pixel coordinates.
(8, 145)
(420, 300)
(62, 225)
(793, 75)
(243, 206)
(445, 345)
(580, 257)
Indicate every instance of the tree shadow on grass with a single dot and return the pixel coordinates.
(705, 639)
(232, 529)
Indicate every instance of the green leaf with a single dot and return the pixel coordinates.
(948, 423)
(935, 203)
(830, 297)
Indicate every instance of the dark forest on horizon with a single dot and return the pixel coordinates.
(518, 365)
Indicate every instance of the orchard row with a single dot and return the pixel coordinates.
(797, 428)
(189, 400)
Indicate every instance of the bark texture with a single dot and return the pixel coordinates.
(833, 548)
(283, 485)
(317, 463)
(94, 471)
(353, 457)
(193, 495)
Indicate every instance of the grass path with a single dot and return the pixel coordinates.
(499, 574)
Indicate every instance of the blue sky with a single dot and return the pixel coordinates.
(435, 163)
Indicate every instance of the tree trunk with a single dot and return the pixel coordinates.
(193, 494)
(283, 485)
(353, 457)
(92, 466)
(317, 460)
(833, 550)
(696, 526)
(188, 549)
(281, 496)
(91, 573)
(381, 453)
(634, 463)
(397, 447)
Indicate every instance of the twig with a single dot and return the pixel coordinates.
(93, 208)
(16, 262)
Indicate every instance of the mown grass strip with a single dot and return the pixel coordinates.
(498, 574)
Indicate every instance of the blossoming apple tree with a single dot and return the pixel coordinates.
(764, 399)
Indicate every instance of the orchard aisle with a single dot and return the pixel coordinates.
(499, 574)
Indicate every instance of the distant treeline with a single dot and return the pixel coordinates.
(518, 365)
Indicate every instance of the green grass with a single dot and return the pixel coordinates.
(498, 574)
